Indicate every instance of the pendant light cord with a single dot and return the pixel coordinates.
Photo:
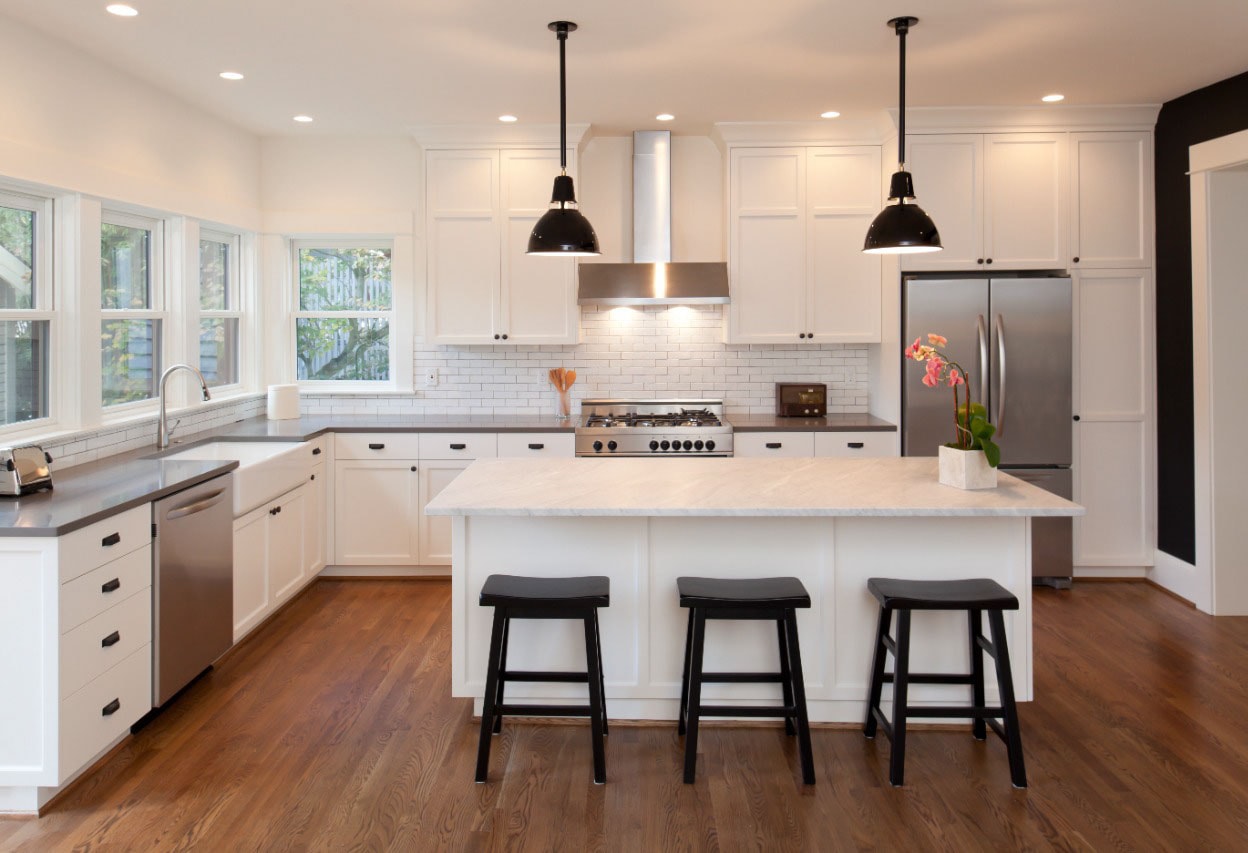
(562, 34)
(902, 28)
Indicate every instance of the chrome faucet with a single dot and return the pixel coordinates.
(162, 425)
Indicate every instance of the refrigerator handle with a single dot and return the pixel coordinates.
(1001, 375)
(981, 328)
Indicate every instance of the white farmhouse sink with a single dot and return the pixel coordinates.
(265, 470)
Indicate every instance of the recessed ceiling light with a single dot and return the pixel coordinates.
(830, 114)
(507, 118)
(121, 10)
(665, 117)
(230, 75)
(303, 119)
(1053, 99)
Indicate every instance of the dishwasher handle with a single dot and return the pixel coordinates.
(195, 506)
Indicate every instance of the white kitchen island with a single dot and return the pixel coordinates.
(833, 523)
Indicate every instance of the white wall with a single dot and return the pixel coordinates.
(73, 123)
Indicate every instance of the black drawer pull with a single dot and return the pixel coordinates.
(376, 447)
(110, 540)
(459, 447)
(854, 445)
(537, 447)
(111, 640)
(111, 586)
(773, 445)
(313, 478)
(316, 451)
(111, 708)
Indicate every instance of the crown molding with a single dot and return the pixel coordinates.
(1042, 118)
(869, 129)
(459, 136)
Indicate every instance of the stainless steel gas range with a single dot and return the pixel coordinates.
(653, 428)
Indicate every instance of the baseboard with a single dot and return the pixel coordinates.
(374, 572)
(1111, 572)
(1175, 576)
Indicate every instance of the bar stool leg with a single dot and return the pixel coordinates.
(491, 692)
(978, 729)
(878, 658)
(1005, 683)
(597, 710)
(799, 698)
(684, 678)
(901, 685)
(502, 678)
(695, 693)
(602, 678)
(785, 676)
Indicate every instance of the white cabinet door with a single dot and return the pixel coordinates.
(251, 574)
(842, 197)
(948, 175)
(773, 444)
(287, 517)
(376, 509)
(856, 445)
(435, 531)
(538, 299)
(1025, 201)
(1111, 200)
(1113, 445)
(315, 521)
(462, 220)
(767, 188)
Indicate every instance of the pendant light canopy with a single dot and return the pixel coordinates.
(562, 230)
(902, 228)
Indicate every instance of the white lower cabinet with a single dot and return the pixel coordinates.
(376, 512)
(314, 556)
(848, 445)
(435, 531)
(856, 445)
(269, 564)
(559, 445)
(773, 444)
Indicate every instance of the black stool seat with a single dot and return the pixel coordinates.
(742, 592)
(770, 599)
(591, 591)
(969, 594)
(517, 597)
(976, 596)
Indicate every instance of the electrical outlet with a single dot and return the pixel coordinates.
(431, 377)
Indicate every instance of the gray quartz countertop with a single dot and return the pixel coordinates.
(831, 423)
(310, 426)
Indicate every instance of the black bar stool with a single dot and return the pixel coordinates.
(514, 597)
(752, 598)
(975, 596)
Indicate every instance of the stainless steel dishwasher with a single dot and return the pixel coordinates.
(192, 583)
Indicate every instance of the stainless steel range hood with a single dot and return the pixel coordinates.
(652, 279)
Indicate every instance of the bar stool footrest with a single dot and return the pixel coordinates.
(544, 710)
(933, 678)
(545, 677)
(746, 711)
(743, 677)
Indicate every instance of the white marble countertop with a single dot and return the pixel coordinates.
(731, 487)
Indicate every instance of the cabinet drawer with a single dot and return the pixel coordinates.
(377, 445)
(90, 595)
(554, 444)
(458, 445)
(855, 444)
(96, 544)
(775, 444)
(314, 450)
(125, 627)
(104, 710)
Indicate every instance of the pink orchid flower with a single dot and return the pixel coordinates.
(929, 380)
(937, 340)
(955, 377)
(913, 350)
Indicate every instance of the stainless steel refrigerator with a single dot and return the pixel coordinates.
(1013, 336)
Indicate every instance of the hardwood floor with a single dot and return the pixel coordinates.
(333, 729)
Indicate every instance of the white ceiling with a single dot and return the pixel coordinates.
(386, 66)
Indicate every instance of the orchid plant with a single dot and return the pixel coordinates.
(970, 419)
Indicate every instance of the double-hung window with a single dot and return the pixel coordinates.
(344, 312)
(132, 303)
(220, 315)
(25, 308)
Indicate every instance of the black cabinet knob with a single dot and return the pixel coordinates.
(979, 260)
(801, 334)
(413, 467)
(504, 336)
(988, 261)
(496, 337)
(1076, 417)
(1075, 259)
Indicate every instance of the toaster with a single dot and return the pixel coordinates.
(24, 470)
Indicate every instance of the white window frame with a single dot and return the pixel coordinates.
(156, 310)
(44, 294)
(235, 299)
(398, 316)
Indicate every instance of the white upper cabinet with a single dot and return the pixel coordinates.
(998, 200)
(480, 206)
(797, 219)
(1111, 200)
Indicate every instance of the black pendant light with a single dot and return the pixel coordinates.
(902, 228)
(562, 230)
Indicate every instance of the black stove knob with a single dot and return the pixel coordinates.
(611, 445)
(697, 445)
(666, 444)
(654, 445)
(598, 445)
(688, 444)
(710, 444)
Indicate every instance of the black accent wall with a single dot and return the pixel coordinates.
(1195, 117)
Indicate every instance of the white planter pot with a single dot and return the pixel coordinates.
(966, 469)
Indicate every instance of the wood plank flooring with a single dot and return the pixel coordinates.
(333, 729)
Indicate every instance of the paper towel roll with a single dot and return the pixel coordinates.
(283, 402)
